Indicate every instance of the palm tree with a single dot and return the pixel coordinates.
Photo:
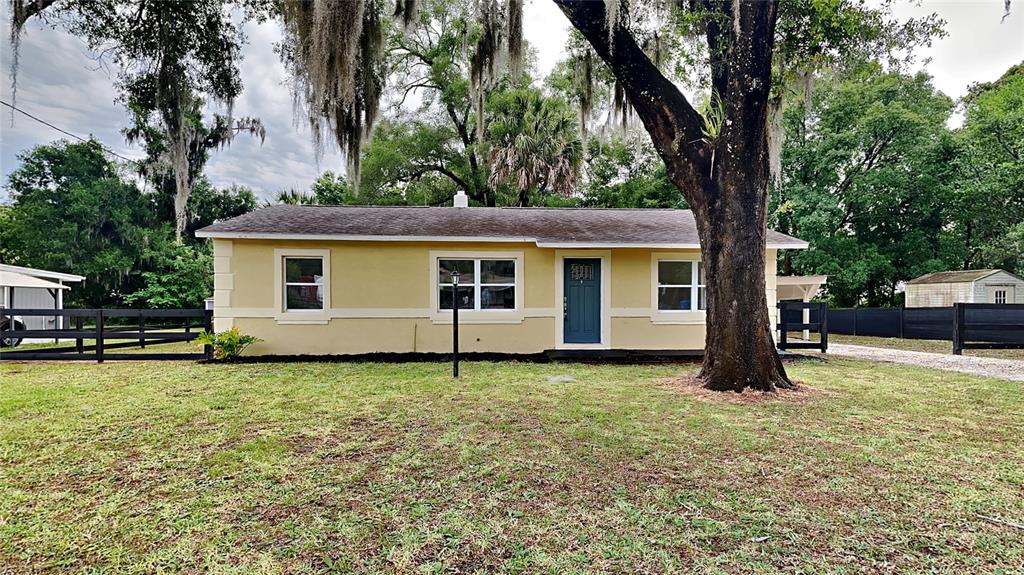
(535, 144)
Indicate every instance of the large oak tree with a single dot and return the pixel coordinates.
(721, 167)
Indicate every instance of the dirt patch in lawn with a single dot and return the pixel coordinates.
(694, 387)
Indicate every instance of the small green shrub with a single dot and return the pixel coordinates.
(227, 344)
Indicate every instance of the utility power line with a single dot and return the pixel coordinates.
(65, 132)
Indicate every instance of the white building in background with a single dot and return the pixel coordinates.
(30, 288)
(943, 289)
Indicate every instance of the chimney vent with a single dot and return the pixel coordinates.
(461, 200)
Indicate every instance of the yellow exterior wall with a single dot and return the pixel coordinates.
(380, 300)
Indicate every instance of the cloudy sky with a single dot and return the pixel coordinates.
(60, 82)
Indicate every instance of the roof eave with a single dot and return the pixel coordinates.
(213, 234)
(35, 272)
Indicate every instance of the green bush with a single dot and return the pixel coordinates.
(227, 344)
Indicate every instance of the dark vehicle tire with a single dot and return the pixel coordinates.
(6, 341)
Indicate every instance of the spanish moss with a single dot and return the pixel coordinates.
(334, 52)
(405, 13)
(612, 17)
(515, 36)
(585, 89)
(21, 11)
(484, 58)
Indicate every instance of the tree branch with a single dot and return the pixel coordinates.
(439, 168)
(28, 10)
(674, 125)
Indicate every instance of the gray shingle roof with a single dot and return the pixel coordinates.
(543, 226)
(964, 276)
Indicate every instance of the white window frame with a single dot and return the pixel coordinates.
(476, 315)
(288, 284)
(677, 316)
(997, 292)
(311, 316)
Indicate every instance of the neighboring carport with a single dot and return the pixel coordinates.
(13, 282)
(799, 288)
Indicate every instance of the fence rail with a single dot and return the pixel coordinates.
(176, 325)
(812, 317)
(966, 325)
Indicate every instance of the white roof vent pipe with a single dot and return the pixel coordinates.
(461, 200)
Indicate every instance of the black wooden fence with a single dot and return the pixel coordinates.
(978, 325)
(987, 326)
(108, 329)
(791, 319)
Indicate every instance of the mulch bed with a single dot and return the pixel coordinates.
(693, 387)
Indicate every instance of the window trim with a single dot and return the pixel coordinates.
(677, 316)
(997, 292)
(286, 284)
(483, 316)
(312, 316)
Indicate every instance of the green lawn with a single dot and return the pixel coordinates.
(335, 468)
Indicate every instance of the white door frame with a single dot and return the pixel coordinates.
(606, 297)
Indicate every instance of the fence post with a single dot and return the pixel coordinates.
(208, 327)
(855, 320)
(783, 336)
(958, 326)
(99, 336)
(78, 328)
(142, 331)
(823, 325)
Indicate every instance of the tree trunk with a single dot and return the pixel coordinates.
(739, 348)
(725, 179)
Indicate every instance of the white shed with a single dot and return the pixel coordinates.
(943, 289)
(30, 288)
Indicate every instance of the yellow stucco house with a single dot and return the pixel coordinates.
(342, 280)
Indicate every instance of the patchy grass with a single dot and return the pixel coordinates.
(367, 468)
(929, 345)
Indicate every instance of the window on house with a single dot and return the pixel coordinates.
(681, 286)
(483, 284)
(1000, 296)
(303, 284)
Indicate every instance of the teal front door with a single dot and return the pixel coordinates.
(582, 306)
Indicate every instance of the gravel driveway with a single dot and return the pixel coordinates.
(1012, 369)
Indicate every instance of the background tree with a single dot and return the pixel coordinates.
(183, 280)
(161, 164)
(207, 204)
(833, 39)
(534, 144)
(627, 173)
(865, 183)
(72, 211)
(987, 207)
(418, 161)
(168, 56)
